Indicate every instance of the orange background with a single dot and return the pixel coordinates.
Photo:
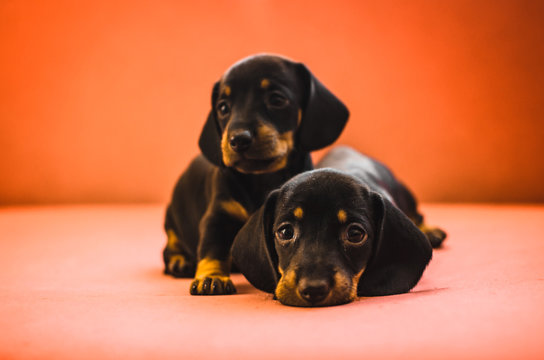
(103, 101)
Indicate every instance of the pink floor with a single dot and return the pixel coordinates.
(85, 282)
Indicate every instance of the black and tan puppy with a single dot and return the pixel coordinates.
(329, 235)
(267, 114)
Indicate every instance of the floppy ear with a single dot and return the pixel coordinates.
(400, 252)
(253, 250)
(324, 115)
(210, 137)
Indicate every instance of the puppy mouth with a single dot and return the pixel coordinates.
(268, 152)
(343, 291)
(246, 164)
(333, 298)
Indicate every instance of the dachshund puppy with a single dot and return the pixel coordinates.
(267, 114)
(329, 235)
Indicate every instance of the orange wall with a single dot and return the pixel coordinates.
(104, 100)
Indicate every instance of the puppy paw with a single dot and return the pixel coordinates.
(175, 263)
(435, 235)
(177, 266)
(213, 285)
(212, 278)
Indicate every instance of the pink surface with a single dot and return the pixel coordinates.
(86, 282)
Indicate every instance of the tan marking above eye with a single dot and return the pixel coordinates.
(342, 216)
(227, 90)
(298, 212)
(299, 118)
(265, 83)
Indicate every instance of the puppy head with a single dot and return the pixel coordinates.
(265, 106)
(321, 233)
(324, 238)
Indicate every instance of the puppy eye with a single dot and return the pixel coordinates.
(277, 100)
(285, 232)
(355, 234)
(223, 108)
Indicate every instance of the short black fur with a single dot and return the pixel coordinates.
(267, 114)
(349, 191)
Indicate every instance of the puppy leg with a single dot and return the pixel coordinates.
(176, 261)
(407, 203)
(218, 228)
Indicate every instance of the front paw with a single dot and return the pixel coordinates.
(435, 235)
(175, 263)
(177, 266)
(212, 278)
(212, 285)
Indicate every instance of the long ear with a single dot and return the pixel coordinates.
(210, 137)
(400, 254)
(253, 249)
(324, 115)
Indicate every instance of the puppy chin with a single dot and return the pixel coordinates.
(257, 166)
(331, 300)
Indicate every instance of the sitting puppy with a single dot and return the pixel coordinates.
(267, 114)
(329, 235)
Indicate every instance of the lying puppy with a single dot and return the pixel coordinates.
(329, 235)
(267, 114)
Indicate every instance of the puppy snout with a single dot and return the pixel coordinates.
(240, 141)
(314, 290)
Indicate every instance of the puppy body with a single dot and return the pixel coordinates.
(267, 114)
(208, 207)
(329, 235)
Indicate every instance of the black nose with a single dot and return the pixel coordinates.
(314, 290)
(240, 141)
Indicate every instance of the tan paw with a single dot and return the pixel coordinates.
(213, 285)
(177, 266)
(435, 235)
(212, 278)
